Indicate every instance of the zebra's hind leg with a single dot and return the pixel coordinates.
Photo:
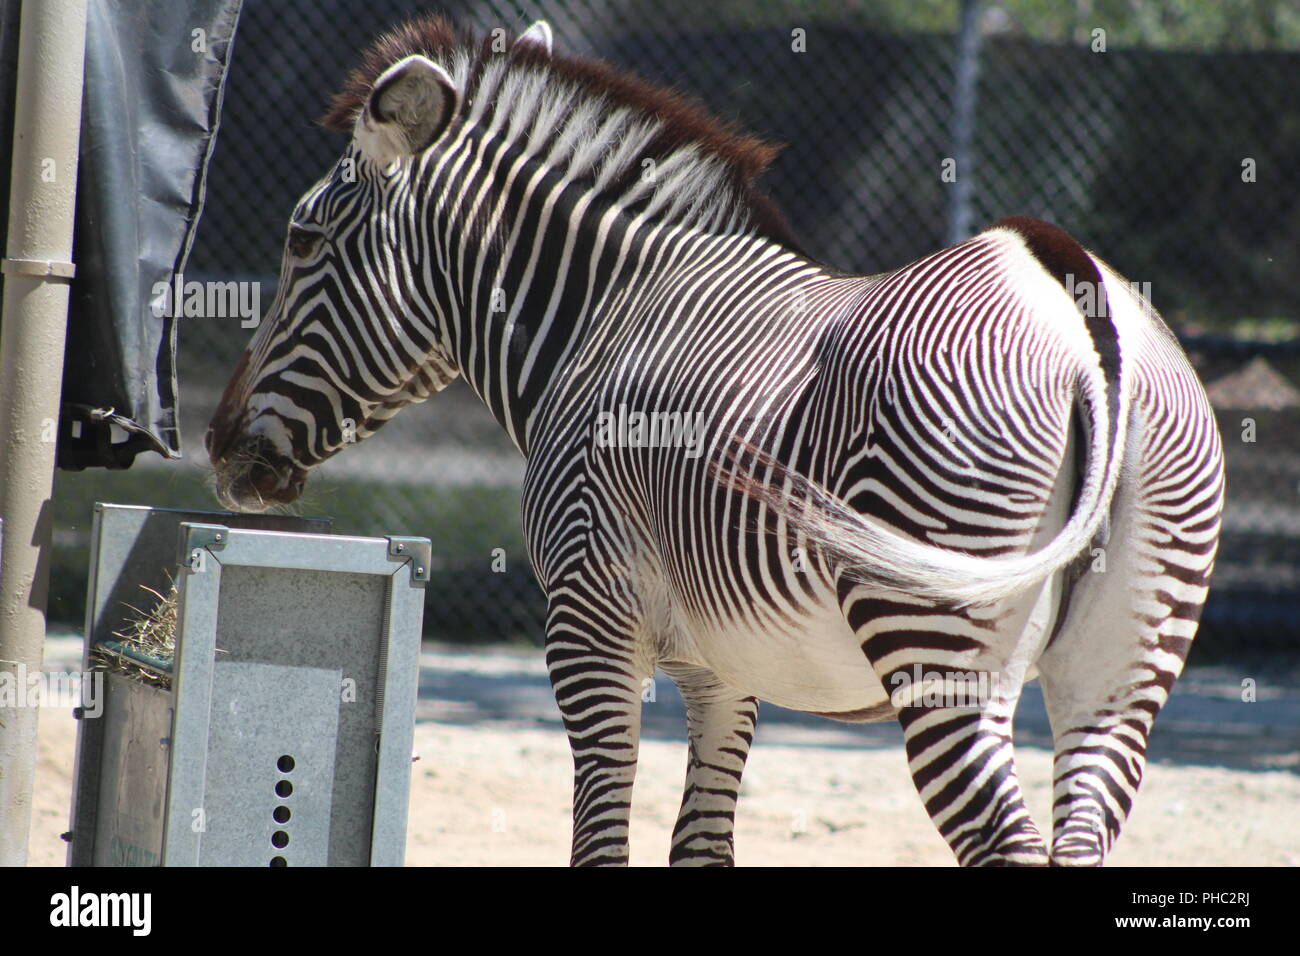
(597, 680)
(721, 726)
(1104, 680)
(963, 765)
(955, 682)
(1110, 669)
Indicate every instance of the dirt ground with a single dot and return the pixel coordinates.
(491, 786)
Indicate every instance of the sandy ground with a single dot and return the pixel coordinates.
(491, 787)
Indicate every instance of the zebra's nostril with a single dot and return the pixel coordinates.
(253, 475)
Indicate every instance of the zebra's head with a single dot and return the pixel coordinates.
(353, 334)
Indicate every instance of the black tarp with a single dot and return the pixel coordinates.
(155, 72)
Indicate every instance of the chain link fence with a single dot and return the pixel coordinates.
(1165, 144)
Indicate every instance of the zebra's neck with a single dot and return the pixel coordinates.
(547, 199)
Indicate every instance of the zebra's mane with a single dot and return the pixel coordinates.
(592, 120)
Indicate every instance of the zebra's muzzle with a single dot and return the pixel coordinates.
(252, 476)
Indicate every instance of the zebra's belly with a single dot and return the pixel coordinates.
(817, 668)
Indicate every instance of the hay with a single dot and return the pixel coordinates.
(146, 647)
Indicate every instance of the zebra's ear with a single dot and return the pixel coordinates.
(538, 35)
(411, 104)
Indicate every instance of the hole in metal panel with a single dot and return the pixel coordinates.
(279, 839)
(279, 861)
(284, 788)
(285, 764)
(281, 814)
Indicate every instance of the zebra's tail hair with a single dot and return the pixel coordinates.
(865, 551)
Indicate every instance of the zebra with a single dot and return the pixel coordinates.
(993, 463)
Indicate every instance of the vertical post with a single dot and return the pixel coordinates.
(963, 121)
(37, 267)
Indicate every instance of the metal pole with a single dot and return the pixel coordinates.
(963, 122)
(37, 267)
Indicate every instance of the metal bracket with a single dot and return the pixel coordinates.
(38, 268)
(419, 550)
(199, 537)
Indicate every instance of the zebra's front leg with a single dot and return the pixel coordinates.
(721, 727)
(956, 692)
(597, 674)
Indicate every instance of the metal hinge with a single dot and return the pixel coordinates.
(198, 538)
(419, 550)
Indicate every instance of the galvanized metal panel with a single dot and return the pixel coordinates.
(133, 545)
(326, 552)
(321, 619)
(196, 629)
(300, 646)
(400, 679)
(272, 739)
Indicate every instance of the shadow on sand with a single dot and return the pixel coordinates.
(1206, 721)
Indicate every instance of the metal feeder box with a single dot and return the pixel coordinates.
(285, 737)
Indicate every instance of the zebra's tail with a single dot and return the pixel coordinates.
(865, 551)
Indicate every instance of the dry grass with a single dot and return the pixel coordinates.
(145, 644)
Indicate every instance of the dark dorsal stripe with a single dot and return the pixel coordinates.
(1069, 263)
(1057, 250)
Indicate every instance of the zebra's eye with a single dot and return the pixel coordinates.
(303, 242)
